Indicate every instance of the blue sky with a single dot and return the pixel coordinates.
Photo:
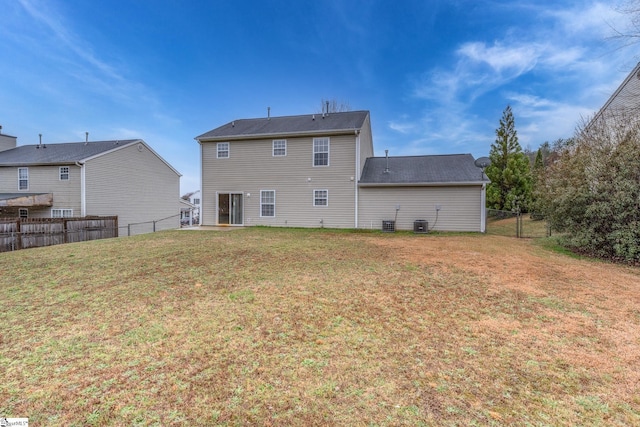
(435, 75)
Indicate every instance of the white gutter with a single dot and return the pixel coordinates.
(483, 208)
(83, 191)
(356, 177)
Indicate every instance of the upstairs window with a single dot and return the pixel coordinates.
(320, 151)
(64, 173)
(61, 213)
(223, 150)
(267, 203)
(196, 201)
(23, 213)
(23, 178)
(279, 147)
(320, 197)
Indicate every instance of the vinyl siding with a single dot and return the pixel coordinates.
(46, 179)
(625, 99)
(7, 142)
(136, 186)
(460, 207)
(366, 144)
(251, 167)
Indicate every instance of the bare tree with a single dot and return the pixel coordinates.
(333, 106)
(631, 34)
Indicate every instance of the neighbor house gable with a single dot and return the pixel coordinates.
(625, 101)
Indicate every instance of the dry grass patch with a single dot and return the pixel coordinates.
(316, 327)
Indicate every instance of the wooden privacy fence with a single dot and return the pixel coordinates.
(23, 233)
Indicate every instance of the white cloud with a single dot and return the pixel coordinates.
(596, 19)
(514, 59)
(56, 26)
(563, 63)
(401, 126)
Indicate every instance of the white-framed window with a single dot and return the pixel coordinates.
(279, 147)
(23, 213)
(61, 213)
(320, 197)
(267, 203)
(196, 201)
(321, 151)
(23, 178)
(223, 150)
(64, 173)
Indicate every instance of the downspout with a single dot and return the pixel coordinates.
(201, 210)
(83, 192)
(483, 208)
(356, 177)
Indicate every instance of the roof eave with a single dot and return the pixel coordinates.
(24, 164)
(422, 184)
(227, 138)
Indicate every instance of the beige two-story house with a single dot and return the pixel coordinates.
(296, 171)
(125, 178)
(318, 170)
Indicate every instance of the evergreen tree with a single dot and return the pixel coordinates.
(536, 208)
(509, 172)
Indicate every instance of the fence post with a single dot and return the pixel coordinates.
(128, 229)
(154, 226)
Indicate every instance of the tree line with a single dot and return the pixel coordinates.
(587, 187)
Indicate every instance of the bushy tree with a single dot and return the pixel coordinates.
(592, 191)
(509, 172)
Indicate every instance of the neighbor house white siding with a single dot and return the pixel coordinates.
(137, 186)
(460, 207)
(45, 179)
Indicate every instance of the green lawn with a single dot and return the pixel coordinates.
(307, 327)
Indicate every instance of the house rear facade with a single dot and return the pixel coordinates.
(125, 178)
(318, 170)
(296, 171)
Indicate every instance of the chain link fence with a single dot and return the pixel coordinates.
(514, 224)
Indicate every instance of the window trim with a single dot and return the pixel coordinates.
(219, 150)
(325, 198)
(328, 152)
(268, 204)
(274, 148)
(62, 213)
(21, 211)
(61, 173)
(26, 179)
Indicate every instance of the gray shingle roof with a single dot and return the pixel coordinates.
(438, 169)
(288, 125)
(66, 153)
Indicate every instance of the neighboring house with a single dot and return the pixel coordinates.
(625, 101)
(124, 178)
(190, 209)
(318, 170)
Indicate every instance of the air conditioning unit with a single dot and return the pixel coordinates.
(420, 226)
(388, 225)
